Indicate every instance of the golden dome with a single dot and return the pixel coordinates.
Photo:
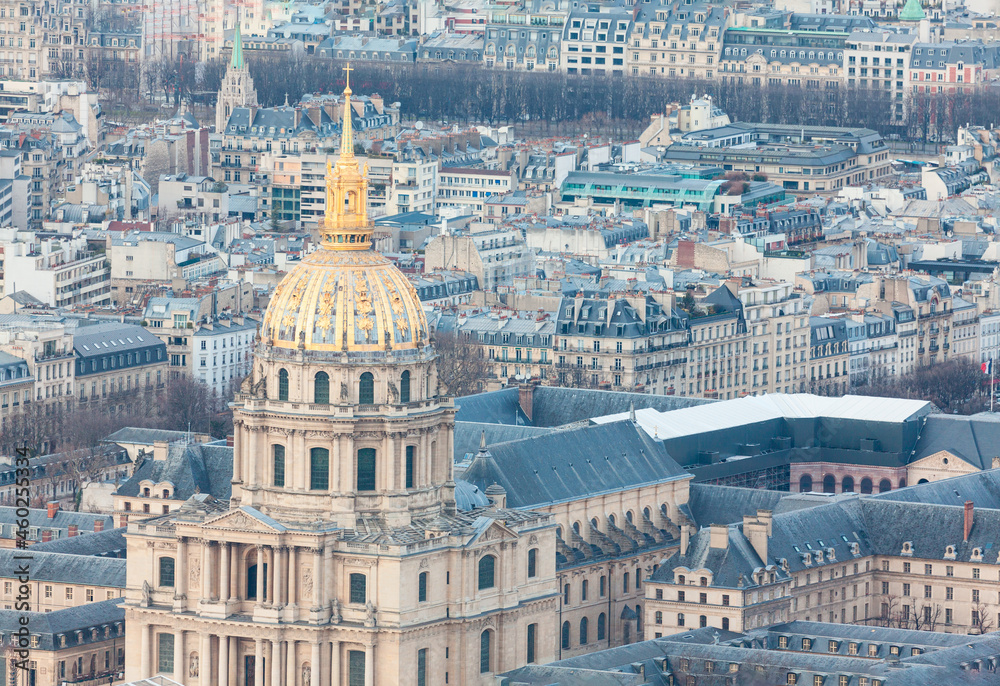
(345, 296)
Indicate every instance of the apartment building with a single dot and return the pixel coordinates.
(829, 356)
(40, 162)
(683, 41)
(947, 67)
(60, 581)
(44, 39)
(618, 343)
(59, 271)
(193, 197)
(873, 344)
(524, 37)
(494, 255)
(768, 56)
(116, 364)
(412, 187)
(147, 259)
(518, 346)
(16, 385)
(777, 321)
(880, 60)
(930, 300)
(861, 563)
(46, 345)
(469, 189)
(223, 352)
(717, 348)
(595, 38)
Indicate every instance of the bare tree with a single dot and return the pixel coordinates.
(982, 619)
(462, 365)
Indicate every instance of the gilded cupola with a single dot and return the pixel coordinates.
(345, 296)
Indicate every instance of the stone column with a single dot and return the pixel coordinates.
(302, 463)
(260, 576)
(225, 577)
(290, 665)
(206, 566)
(316, 664)
(205, 660)
(237, 453)
(275, 663)
(144, 659)
(249, 478)
(269, 581)
(279, 591)
(317, 578)
(293, 576)
(258, 662)
(223, 661)
(180, 582)
(235, 570)
(369, 665)
(179, 656)
(335, 663)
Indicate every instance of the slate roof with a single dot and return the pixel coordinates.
(107, 543)
(194, 468)
(712, 504)
(66, 622)
(566, 465)
(63, 568)
(974, 439)
(138, 434)
(468, 435)
(39, 517)
(494, 407)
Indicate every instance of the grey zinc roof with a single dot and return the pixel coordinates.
(38, 517)
(973, 439)
(67, 622)
(107, 543)
(712, 504)
(195, 468)
(494, 407)
(138, 434)
(100, 339)
(982, 488)
(564, 465)
(84, 570)
(469, 434)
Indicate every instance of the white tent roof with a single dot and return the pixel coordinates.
(752, 409)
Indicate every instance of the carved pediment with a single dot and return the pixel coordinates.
(243, 519)
(494, 531)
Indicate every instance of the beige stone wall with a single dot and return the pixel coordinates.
(940, 465)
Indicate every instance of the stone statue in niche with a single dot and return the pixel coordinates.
(193, 669)
(306, 675)
(369, 614)
(343, 391)
(196, 574)
(145, 593)
(393, 393)
(335, 612)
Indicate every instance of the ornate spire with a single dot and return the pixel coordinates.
(346, 225)
(237, 61)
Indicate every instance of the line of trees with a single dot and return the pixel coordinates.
(956, 386)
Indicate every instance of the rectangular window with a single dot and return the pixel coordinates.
(279, 466)
(165, 656)
(422, 587)
(359, 594)
(366, 469)
(532, 630)
(410, 458)
(319, 469)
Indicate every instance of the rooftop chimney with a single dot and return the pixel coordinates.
(160, 450)
(229, 441)
(46, 535)
(968, 520)
(52, 509)
(525, 393)
(98, 525)
(122, 520)
(718, 536)
(73, 530)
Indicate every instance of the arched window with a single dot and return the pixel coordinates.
(884, 486)
(279, 466)
(359, 589)
(829, 484)
(366, 389)
(805, 484)
(922, 481)
(410, 466)
(866, 485)
(601, 627)
(422, 587)
(902, 483)
(532, 562)
(484, 652)
(404, 387)
(583, 631)
(319, 469)
(487, 565)
(565, 635)
(366, 469)
(321, 389)
(847, 485)
(166, 571)
(282, 384)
